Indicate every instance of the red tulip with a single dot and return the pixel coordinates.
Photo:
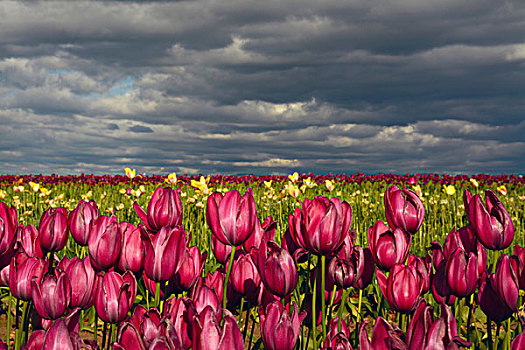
(8, 230)
(443, 333)
(164, 252)
(181, 312)
(22, 270)
(506, 282)
(28, 238)
(52, 294)
(244, 277)
(337, 341)
(57, 337)
(404, 209)
(81, 219)
(53, 229)
(519, 342)
(347, 270)
(321, 225)
(129, 338)
(279, 329)
(388, 248)
(104, 243)
(491, 223)
(220, 250)
(189, 270)
(424, 268)
(266, 231)
(209, 335)
(277, 269)
(83, 282)
(204, 296)
(164, 209)
(232, 217)
(402, 288)
(132, 256)
(368, 270)
(490, 300)
(462, 273)
(419, 325)
(114, 296)
(384, 336)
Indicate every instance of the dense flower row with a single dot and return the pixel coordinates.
(165, 294)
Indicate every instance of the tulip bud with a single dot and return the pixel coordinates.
(53, 229)
(81, 219)
(181, 312)
(57, 337)
(384, 336)
(462, 273)
(129, 338)
(132, 256)
(491, 223)
(204, 296)
(83, 282)
(321, 225)
(404, 209)
(164, 209)
(209, 335)
(22, 270)
(423, 267)
(279, 329)
(419, 325)
(164, 252)
(104, 243)
(8, 230)
(277, 269)
(490, 300)
(244, 276)
(443, 333)
(28, 238)
(231, 217)
(189, 270)
(506, 282)
(266, 231)
(402, 288)
(114, 296)
(345, 271)
(368, 270)
(388, 248)
(52, 294)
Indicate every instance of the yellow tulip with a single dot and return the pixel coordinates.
(329, 185)
(294, 177)
(172, 179)
(474, 182)
(502, 190)
(130, 173)
(450, 190)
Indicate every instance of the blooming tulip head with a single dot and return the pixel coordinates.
(279, 329)
(321, 225)
(505, 282)
(345, 271)
(388, 247)
(22, 270)
(384, 336)
(52, 294)
(245, 278)
(164, 209)
(53, 229)
(83, 281)
(404, 209)
(277, 268)
(164, 252)
(132, 255)
(402, 288)
(462, 273)
(209, 335)
(189, 270)
(491, 301)
(8, 230)
(28, 238)
(231, 217)
(80, 221)
(114, 296)
(104, 242)
(491, 222)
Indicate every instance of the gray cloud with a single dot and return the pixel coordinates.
(256, 87)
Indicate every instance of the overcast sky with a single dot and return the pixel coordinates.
(263, 87)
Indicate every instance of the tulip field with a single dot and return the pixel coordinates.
(421, 261)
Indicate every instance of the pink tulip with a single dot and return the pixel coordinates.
(57, 337)
(30, 242)
(164, 252)
(231, 217)
(209, 335)
(8, 230)
(22, 270)
(52, 294)
(132, 256)
(402, 288)
(388, 247)
(279, 329)
(404, 209)
(266, 231)
(81, 219)
(114, 296)
(189, 270)
(164, 209)
(83, 282)
(321, 224)
(104, 243)
(277, 269)
(53, 229)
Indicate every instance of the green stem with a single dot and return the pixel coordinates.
(8, 336)
(157, 296)
(470, 312)
(314, 318)
(323, 299)
(246, 322)
(496, 340)
(251, 334)
(360, 303)
(95, 329)
(20, 330)
(489, 333)
(331, 307)
(224, 292)
(458, 315)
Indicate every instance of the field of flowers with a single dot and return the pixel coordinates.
(359, 261)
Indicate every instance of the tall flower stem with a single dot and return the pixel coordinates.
(470, 311)
(20, 331)
(323, 299)
(225, 290)
(157, 296)
(8, 336)
(314, 318)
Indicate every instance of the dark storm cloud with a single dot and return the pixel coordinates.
(262, 87)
